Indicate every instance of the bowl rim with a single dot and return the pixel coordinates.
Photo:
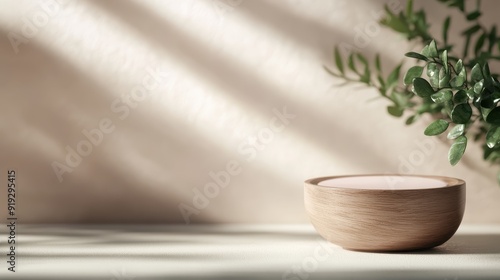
(449, 181)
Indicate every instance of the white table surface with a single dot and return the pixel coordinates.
(236, 252)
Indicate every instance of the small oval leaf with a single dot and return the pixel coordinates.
(478, 87)
(470, 93)
(395, 111)
(460, 97)
(351, 64)
(432, 69)
(459, 66)
(433, 51)
(459, 80)
(486, 70)
(444, 78)
(377, 63)
(416, 55)
(422, 88)
(494, 116)
(474, 15)
(411, 119)
(461, 113)
(446, 26)
(393, 77)
(437, 127)
(413, 72)
(493, 137)
(457, 150)
(338, 60)
(473, 29)
(456, 131)
(485, 111)
(479, 44)
(442, 96)
(476, 74)
(425, 51)
(444, 58)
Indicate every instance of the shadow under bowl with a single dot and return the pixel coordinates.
(385, 212)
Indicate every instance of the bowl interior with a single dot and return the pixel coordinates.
(386, 182)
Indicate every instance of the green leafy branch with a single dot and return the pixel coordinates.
(461, 94)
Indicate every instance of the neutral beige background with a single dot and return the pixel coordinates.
(224, 67)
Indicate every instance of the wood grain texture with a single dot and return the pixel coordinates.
(385, 219)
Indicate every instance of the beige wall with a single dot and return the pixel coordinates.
(220, 73)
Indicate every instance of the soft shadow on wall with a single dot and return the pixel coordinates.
(152, 161)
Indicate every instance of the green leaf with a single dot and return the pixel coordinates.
(413, 73)
(470, 93)
(422, 88)
(423, 108)
(362, 59)
(459, 80)
(471, 30)
(442, 96)
(478, 87)
(437, 127)
(474, 15)
(331, 72)
(395, 111)
(492, 38)
(444, 78)
(456, 131)
(461, 113)
(486, 102)
(432, 69)
(476, 74)
(456, 82)
(434, 81)
(444, 58)
(493, 137)
(433, 51)
(457, 150)
(338, 60)
(460, 4)
(409, 8)
(459, 66)
(466, 45)
(460, 97)
(425, 51)
(495, 96)
(494, 155)
(446, 26)
(393, 77)
(400, 99)
(377, 63)
(394, 22)
(381, 82)
(350, 63)
(411, 119)
(365, 78)
(416, 55)
(494, 116)
(479, 44)
(487, 152)
(448, 107)
(485, 111)
(421, 24)
(486, 70)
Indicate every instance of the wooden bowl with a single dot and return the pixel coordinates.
(385, 212)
